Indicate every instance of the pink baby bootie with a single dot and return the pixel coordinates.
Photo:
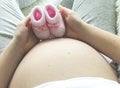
(39, 23)
(54, 20)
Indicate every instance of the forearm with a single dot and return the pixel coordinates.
(9, 60)
(105, 42)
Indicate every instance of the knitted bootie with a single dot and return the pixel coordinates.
(39, 23)
(54, 20)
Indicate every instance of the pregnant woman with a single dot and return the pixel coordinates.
(73, 61)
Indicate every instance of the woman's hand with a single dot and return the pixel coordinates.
(25, 36)
(22, 42)
(72, 21)
(103, 41)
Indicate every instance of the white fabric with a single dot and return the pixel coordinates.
(82, 82)
(10, 16)
(100, 13)
(118, 16)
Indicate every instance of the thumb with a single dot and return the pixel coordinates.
(26, 20)
(65, 11)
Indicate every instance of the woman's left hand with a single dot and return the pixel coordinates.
(24, 35)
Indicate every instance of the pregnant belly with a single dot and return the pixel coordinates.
(57, 60)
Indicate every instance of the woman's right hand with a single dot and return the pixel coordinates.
(73, 23)
(24, 35)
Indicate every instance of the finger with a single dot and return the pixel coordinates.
(65, 11)
(26, 20)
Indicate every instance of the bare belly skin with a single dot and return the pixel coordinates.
(60, 59)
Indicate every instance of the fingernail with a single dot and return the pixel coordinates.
(60, 6)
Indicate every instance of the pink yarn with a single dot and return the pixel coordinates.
(47, 23)
(54, 20)
(37, 14)
(51, 11)
(39, 26)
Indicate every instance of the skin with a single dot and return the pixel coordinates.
(75, 29)
(22, 42)
(60, 59)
